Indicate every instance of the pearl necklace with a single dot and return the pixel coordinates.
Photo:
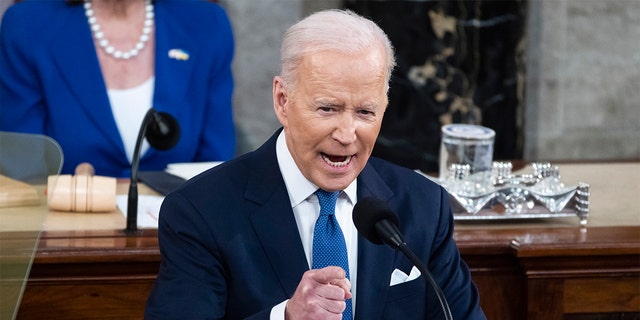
(104, 43)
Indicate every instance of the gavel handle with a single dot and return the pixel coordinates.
(85, 169)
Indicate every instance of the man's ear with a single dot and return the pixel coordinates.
(280, 99)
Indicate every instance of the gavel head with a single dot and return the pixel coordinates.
(82, 192)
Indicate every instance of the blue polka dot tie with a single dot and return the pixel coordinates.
(329, 248)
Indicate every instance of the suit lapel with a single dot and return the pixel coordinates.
(76, 59)
(375, 262)
(274, 222)
(172, 75)
(275, 225)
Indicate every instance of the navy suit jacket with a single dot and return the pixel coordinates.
(51, 83)
(231, 248)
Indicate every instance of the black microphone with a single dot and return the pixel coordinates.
(162, 132)
(378, 223)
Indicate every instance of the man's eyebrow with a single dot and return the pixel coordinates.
(327, 103)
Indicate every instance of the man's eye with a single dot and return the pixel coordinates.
(326, 109)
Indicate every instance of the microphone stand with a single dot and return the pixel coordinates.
(427, 275)
(132, 198)
(164, 135)
(392, 237)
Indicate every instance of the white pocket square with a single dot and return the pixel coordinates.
(398, 277)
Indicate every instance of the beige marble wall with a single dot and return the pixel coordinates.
(583, 80)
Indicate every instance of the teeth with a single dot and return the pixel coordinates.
(337, 164)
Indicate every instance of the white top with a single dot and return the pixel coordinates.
(129, 107)
(306, 210)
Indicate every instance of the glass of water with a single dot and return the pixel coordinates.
(467, 144)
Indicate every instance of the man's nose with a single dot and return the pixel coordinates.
(345, 132)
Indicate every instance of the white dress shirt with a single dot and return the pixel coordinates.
(306, 210)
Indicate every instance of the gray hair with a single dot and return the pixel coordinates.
(331, 30)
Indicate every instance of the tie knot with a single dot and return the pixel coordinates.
(327, 201)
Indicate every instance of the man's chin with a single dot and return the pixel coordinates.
(335, 182)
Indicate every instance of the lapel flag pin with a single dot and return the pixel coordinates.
(178, 54)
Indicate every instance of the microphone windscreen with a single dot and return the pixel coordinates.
(367, 213)
(163, 131)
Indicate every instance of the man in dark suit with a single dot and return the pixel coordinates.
(238, 240)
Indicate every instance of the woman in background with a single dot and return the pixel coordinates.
(86, 72)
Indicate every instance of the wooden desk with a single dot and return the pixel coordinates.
(547, 269)
(91, 275)
(555, 273)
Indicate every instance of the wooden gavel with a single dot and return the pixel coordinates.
(82, 192)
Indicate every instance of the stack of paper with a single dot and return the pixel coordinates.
(188, 170)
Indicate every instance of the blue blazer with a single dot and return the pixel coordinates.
(51, 83)
(231, 248)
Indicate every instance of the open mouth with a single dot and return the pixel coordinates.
(336, 161)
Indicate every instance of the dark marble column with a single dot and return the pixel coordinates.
(458, 62)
